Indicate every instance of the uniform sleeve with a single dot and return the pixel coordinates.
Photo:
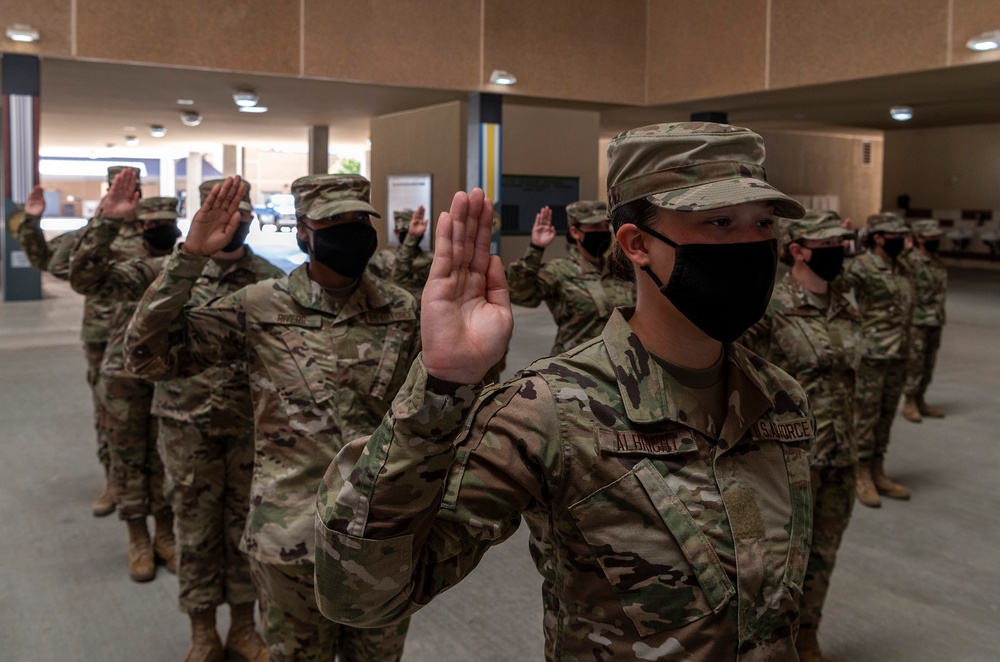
(165, 341)
(378, 265)
(403, 271)
(94, 273)
(32, 240)
(410, 511)
(527, 280)
(758, 337)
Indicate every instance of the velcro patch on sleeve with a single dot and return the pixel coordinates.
(796, 429)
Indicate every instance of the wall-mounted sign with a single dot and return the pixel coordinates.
(409, 192)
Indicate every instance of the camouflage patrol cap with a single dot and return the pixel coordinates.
(887, 222)
(692, 166)
(151, 209)
(114, 170)
(402, 218)
(587, 212)
(323, 196)
(206, 188)
(814, 225)
(927, 227)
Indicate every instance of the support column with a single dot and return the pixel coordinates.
(484, 162)
(20, 84)
(230, 160)
(319, 150)
(192, 180)
(168, 177)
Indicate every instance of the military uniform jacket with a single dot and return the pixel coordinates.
(320, 374)
(40, 252)
(820, 346)
(407, 265)
(579, 294)
(930, 282)
(654, 540)
(885, 298)
(220, 396)
(98, 311)
(101, 272)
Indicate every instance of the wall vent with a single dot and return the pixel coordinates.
(866, 152)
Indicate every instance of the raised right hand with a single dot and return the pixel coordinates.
(543, 232)
(466, 319)
(418, 224)
(35, 204)
(122, 198)
(215, 223)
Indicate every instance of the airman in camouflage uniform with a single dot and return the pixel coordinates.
(54, 256)
(579, 290)
(930, 282)
(136, 468)
(325, 351)
(884, 296)
(407, 264)
(669, 523)
(813, 332)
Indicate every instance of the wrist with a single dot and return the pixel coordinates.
(193, 250)
(535, 247)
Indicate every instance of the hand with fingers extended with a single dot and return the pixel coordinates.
(543, 232)
(35, 204)
(418, 224)
(217, 220)
(123, 196)
(466, 319)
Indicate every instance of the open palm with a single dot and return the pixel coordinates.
(216, 221)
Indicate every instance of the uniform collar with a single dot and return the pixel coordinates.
(369, 295)
(643, 383)
(586, 266)
(213, 270)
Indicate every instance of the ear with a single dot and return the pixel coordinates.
(632, 242)
(796, 251)
(301, 232)
(576, 233)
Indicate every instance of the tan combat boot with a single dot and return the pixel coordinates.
(205, 643)
(911, 411)
(867, 494)
(163, 543)
(927, 410)
(140, 552)
(885, 485)
(105, 504)
(243, 640)
(807, 646)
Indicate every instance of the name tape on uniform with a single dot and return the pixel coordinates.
(626, 441)
(797, 429)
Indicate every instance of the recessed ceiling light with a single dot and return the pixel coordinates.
(501, 77)
(185, 102)
(157, 131)
(901, 113)
(128, 129)
(246, 99)
(987, 41)
(190, 118)
(23, 33)
(253, 109)
(131, 141)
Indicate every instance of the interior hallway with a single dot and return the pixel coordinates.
(916, 581)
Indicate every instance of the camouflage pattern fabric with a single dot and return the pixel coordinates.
(580, 295)
(885, 298)
(94, 354)
(407, 265)
(925, 341)
(136, 469)
(820, 345)
(879, 385)
(39, 251)
(653, 541)
(325, 196)
(296, 631)
(208, 485)
(834, 489)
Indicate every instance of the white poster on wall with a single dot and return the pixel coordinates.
(407, 192)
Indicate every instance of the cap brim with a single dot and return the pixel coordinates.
(727, 193)
(341, 207)
(826, 233)
(159, 216)
(932, 233)
(246, 206)
(591, 220)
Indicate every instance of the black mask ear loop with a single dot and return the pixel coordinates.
(668, 242)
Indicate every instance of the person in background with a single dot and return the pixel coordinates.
(407, 264)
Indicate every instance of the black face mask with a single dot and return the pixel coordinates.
(238, 239)
(893, 247)
(345, 248)
(932, 245)
(596, 243)
(162, 237)
(826, 262)
(722, 288)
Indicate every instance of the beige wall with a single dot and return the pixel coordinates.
(272, 172)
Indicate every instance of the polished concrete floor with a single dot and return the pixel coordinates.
(916, 581)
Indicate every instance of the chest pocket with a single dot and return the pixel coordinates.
(299, 377)
(368, 364)
(661, 564)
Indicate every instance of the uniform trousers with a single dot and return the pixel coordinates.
(833, 498)
(136, 469)
(878, 387)
(94, 353)
(294, 628)
(925, 341)
(208, 474)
